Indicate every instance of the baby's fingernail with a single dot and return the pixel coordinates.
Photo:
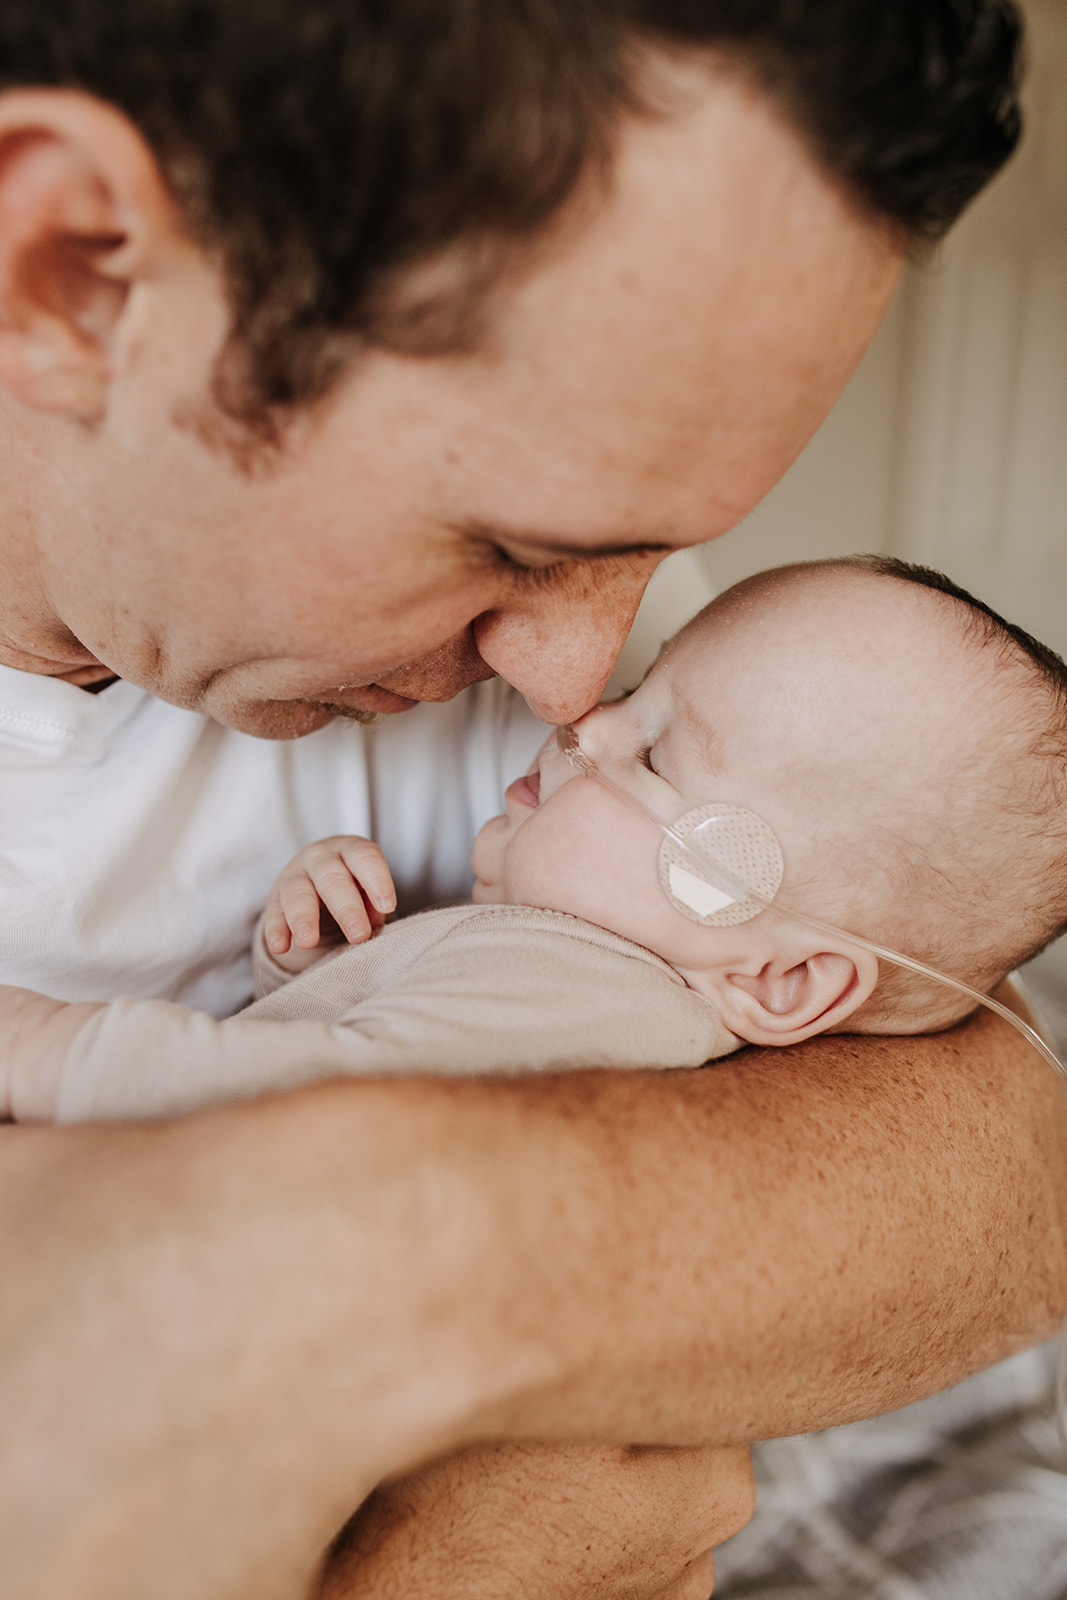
(385, 903)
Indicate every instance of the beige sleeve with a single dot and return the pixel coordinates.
(150, 1058)
(491, 999)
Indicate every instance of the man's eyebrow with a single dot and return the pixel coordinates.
(560, 549)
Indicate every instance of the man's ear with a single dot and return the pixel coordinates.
(83, 208)
(794, 996)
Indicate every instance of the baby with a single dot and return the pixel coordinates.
(906, 747)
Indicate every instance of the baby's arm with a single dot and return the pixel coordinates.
(334, 890)
(463, 992)
(151, 1058)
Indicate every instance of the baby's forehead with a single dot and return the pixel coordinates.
(851, 659)
(825, 613)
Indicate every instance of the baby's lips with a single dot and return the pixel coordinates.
(525, 791)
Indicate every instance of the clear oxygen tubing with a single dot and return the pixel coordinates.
(567, 739)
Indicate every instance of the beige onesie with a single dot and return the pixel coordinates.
(464, 990)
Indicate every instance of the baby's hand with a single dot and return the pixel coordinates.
(337, 889)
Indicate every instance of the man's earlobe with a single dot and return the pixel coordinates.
(74, 179)
(790, 1000)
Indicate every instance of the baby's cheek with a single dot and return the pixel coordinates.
(602, 866)
(543, 866)
(570, 859)
(487, 854)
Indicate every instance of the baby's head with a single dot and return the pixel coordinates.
(907, 747)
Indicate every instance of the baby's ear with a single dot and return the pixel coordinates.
(794, 995)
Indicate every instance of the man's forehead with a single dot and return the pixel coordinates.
(693, 330)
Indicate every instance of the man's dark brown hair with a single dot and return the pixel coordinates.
(323, 148)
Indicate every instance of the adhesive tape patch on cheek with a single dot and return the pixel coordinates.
(733, 839)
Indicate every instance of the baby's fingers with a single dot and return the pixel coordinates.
(277, 935)
(371, 871)
(298, 910)
(342, 898)
(351, 903)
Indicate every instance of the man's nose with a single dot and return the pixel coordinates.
(559, 647)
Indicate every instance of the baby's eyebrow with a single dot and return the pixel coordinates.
(702, 734)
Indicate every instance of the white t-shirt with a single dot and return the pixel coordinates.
(138, 842)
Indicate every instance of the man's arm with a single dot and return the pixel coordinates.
(530, 1521)
(216, 1336)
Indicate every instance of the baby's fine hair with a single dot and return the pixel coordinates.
(995, 919)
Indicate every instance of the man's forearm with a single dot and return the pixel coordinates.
(280, 1305)
(790, 1240)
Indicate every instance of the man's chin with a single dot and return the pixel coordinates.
(370, 700)
(293, 719)
(281, 719)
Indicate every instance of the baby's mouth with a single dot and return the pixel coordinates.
(525, 791)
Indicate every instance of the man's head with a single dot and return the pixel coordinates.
(320, 323)
(908, 749)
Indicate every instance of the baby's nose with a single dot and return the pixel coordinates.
(589, 736)
(570, 746)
